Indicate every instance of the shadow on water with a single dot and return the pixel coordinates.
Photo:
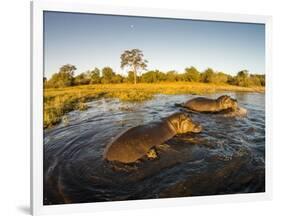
(226, 157)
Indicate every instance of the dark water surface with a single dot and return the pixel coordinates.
(227, 157)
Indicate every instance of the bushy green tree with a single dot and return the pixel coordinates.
(208, 76)
(254, 80)
(82, 79)
(95, 76)
(117, 79)
(229, 79)
(153, 77)
(172, 76)
(220, 77)
(242, 78)
(107, 75)
(191, 75)
(160, 76)
(64, 78)
(148, 77)
(261, 78)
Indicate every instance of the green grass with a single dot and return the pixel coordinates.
(59, 101)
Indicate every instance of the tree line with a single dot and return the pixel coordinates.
(134, 61)
(65, 77)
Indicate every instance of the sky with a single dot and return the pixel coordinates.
(92, 40)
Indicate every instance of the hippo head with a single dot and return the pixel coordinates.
(182, 123)
(226, 102)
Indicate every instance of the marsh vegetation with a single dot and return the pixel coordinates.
(59, 101)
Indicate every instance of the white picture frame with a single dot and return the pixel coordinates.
(37, 9)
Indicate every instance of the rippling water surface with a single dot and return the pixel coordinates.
(226, 157)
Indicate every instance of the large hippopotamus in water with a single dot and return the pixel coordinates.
(136, 142)
(224, 105)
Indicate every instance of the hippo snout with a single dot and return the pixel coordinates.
(197, 128)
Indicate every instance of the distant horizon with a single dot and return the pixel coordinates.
(90, 40)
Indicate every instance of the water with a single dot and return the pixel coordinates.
(226, 157)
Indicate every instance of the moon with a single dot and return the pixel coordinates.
(132, 26)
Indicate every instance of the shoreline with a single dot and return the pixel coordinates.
(60, 101)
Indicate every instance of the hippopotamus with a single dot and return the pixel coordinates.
(139, 141)
(202, 104)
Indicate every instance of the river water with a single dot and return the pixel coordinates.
(227, 157)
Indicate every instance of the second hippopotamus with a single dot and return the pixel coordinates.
(202, 104)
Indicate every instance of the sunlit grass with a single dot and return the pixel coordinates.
(59, 101)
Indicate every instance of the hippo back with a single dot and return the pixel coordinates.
(134, 143)
(201, 104)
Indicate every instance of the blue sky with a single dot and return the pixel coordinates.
(89, 40)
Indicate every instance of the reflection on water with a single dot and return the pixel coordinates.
(227, 157)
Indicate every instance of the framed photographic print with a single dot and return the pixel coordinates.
(141, 107)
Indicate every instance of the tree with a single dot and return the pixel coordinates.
(208, 75)
(160, 76)
(242, 78)
(107, 75)
(134, 60)
(82, 79)
(171, 76)
(63, 78)
(95, 76)
(149, 77)
(261, 78)
(220, 77)
(231, 80)
(117, 79)
(243, 73)
(191, 74)
(153, 76)
(254, 80)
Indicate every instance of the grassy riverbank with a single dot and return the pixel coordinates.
(59, 101)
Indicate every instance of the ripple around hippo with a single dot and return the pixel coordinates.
(226, 157)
